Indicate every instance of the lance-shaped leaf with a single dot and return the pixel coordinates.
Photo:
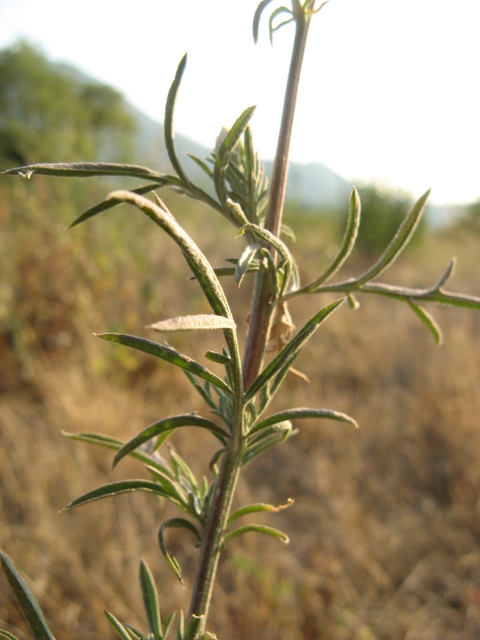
(84, 170)
(288, 354)
(428, 320)
(257, 528)
(168, 424)
(169, 355)
(121, 629)
(168, 127)
(266, 439)
(256, 508)
(302, 413)
(203, 166)
(117, 488)
(236, 211)
(219, 358)
(275, 27)
(194, 627)
(183, 471)
(177, 495)
(399, 242)
(175, 523)
(203, 321)
(152, 459)
(256, 18)
(26, 600)
(168, 623)
(421, 295)
(150, 601)
(225, 151)
(348, 242)
(279, 246)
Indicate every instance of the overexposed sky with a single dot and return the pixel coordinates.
(390, 90)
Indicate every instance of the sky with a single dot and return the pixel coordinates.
(390, 89)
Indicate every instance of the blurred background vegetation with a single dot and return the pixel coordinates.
(385, 529)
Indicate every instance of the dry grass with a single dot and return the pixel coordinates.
(385, 530)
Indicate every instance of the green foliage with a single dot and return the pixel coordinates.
(383, 211)
(239, 395)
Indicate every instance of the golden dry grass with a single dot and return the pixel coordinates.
(385, 529)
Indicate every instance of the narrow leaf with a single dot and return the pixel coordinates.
(226, 148)
(180, 626)
(168, 424)
(244, 262)
(399, 242)
(219, 358)
(428, 320)
(259, 507)
(168, 623)
(117, 488)
(302, 413)
(193, 323)
(84, 170)
(201, 164)
(348, 242)
(194, 627)
(277, 436)
(121, 630)
(6, 635)
(168, 354)
(449, 271)
(175, 523)
(256, 18)
(292, 349)
(150, 601)
(108, 204)
(257, 528)
(26, 600)
(168, 127)
(273, 16)
(236, 211)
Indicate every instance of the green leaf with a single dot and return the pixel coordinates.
(195, 259)
(236, 212)
(271, 27)
(193, 323)
(84, 170)
(302, 413)
(399, 242)
(256, 18)
(175, 523)
(108, 204)
(117, 488)
(26, 600)
(255, 508)
(180, 626)
(121, 630)
(266, 440)
(226, 149)
(194, 627)
(168, 424)
(219, 358)
(154, 460)
(428, 320)
(168, 623)
(201, 164)
(182, 470)
(423, 295)
(175, 491)
(170, 355)
(208, 636)
(257, 528)
(288, 354)
(348, 242)
(169, 116)
(150, 601)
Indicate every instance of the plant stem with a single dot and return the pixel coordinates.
(263, 304)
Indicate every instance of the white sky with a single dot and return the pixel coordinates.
(390, 91)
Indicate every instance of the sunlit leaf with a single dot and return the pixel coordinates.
(167, 424)
(302, 413)
(201, 321)
(121, 630)
(194, 627)
(26, 600)
(168, 127)
(150, 601)
(257, 528)
(256, 508)
(244, 262)
(175, 523)
(6, 635)
(168, 354)
(428, 320)
(292, 349)
(84, 170)
(117, 488)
